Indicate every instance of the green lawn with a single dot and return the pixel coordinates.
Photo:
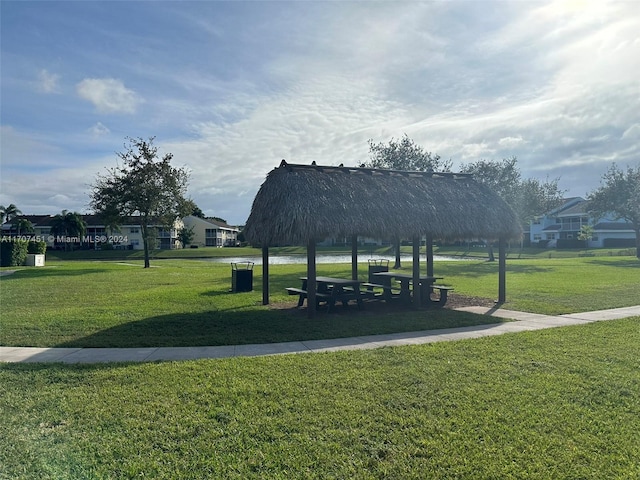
(213, 252)
(554, 404)
(187, 302)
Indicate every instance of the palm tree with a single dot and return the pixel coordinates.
(68, 224)
(22, 225)
(9, 212)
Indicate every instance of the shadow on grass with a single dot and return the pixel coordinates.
(631, 263)
(33, 272)
(488, 269)
(279, 323)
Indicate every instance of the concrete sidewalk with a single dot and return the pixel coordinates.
(523, 322)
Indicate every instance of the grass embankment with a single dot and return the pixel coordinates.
(561, 403)
(187, 302)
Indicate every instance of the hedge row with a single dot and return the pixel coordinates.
(15, 253)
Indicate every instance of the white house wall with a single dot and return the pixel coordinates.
(222, 236)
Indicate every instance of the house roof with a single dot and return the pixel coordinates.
(577, 209)
(36, 220)
(567, 203)
(90, 220)
(297, 203)
(613, 226)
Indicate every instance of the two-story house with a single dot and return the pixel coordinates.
(208, 232)
(127, 236)
(561, 227)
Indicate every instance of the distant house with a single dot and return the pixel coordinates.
(126, 237)
(561, 226)
(208, 232)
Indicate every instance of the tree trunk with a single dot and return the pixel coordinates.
(397, 249)
(145, 242)
(637, 229)
(492, 257)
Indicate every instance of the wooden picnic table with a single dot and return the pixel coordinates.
(330, 290)
(427, 285)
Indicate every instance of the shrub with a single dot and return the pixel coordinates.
(13, 253)
(38, 248)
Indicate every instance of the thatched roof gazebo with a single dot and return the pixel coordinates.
(302, 204)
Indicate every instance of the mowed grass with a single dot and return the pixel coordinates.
(555, 404)
(188, 303)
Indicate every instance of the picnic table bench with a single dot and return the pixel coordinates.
(330, 290)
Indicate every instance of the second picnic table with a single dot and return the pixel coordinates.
(427, 285)
(330, 290)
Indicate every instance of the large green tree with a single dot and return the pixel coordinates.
(145, 186)
(619, 194)
(68, 224)
(406, 155)
(528, 197)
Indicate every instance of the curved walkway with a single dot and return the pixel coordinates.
(523, 322)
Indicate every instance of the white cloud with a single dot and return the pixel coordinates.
(48, 82)
(109, 95)
(99, 130)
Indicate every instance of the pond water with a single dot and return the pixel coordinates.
(323, 258)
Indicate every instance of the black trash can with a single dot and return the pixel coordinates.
(241, 276)
(376, 266)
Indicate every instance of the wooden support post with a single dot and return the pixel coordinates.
(311, 278)
(429, 246)
(354, 257)
(417, 301)
(265, 275)
(502, 270)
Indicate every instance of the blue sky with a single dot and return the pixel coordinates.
(231, 88)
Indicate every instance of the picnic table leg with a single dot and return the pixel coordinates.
(332, 299)
(442, 300)
(356, 289)
(405, 291)
(303, 295)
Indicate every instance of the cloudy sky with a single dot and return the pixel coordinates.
(231, 88)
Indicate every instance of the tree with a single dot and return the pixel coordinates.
(503, 177)
(8, 213)
(404, 154)
(528, 197)
(585, 235)
(197, 212)
(536, 197)
(145, 186)
(619, 194)
(185, 235)
(22, 225)
(68, 224)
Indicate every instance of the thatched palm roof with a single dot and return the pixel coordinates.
(297, 203)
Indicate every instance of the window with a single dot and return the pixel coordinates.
(134, 230)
